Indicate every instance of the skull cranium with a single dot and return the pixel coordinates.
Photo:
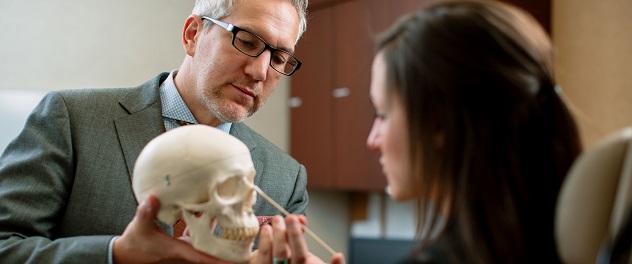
(204, 176)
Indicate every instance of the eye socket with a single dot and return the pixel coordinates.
(197, 214)
(229, 188)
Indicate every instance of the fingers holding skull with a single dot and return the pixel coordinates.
(144, 242)
(295, 239)
(283, 242)
(298, 245)
(280, 245)
(273, 243)
(263, 255)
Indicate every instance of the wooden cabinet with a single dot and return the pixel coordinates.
(539, 9)
(331, 116)
(330, 110)
(355, 167)
(331, 113)
(311, 103)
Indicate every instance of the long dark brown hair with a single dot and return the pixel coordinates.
(480, 75)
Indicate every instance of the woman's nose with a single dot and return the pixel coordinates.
(373, 140)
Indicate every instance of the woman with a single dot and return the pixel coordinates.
(471, 125)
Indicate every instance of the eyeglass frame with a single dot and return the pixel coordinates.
(234, 29)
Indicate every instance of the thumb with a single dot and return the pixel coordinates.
(302, 219)
(147, 211)
(338, 258)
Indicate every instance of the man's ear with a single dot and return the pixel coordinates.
(192, 27)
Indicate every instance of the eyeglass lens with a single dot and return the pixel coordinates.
(250, 44)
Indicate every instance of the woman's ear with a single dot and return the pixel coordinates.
(192, 27)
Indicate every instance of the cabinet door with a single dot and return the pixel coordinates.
(357, 24)
(330, 124)
(331, 113)
(355, 166)
(311, 103)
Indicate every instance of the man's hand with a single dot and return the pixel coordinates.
(144, 242)
(284, 240)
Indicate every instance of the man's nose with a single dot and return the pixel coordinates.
(257, 67)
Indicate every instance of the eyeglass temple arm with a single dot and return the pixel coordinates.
(227, 26)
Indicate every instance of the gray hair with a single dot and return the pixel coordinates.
(219, 9)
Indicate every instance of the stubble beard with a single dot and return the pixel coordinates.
(228, 112)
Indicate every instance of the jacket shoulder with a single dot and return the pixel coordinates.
(261, 147)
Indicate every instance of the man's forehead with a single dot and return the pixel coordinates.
(275, 21)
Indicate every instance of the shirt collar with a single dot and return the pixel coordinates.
(173, 107)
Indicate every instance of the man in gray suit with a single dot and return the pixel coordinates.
(65, 181)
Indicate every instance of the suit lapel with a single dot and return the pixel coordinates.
(144, 121)
(244, 133)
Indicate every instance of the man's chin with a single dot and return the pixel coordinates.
(233, 118)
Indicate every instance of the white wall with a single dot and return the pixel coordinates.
(15, 105)
(68, 44)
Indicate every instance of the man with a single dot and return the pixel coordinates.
(65, 182)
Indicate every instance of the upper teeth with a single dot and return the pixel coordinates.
(240, 233)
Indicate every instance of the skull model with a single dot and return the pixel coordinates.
(202, 175)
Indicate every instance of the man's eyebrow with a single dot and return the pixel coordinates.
(288, 49)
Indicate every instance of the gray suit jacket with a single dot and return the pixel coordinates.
(65, 181)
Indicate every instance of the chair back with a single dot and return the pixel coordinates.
(595, 200)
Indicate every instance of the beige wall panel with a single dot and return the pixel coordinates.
(594, 62)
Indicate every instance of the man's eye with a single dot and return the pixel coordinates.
(279, 59)
(248, 43)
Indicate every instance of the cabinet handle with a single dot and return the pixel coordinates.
(294, 102)
(341, 92)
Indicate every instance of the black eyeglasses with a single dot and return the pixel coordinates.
(252, 45)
